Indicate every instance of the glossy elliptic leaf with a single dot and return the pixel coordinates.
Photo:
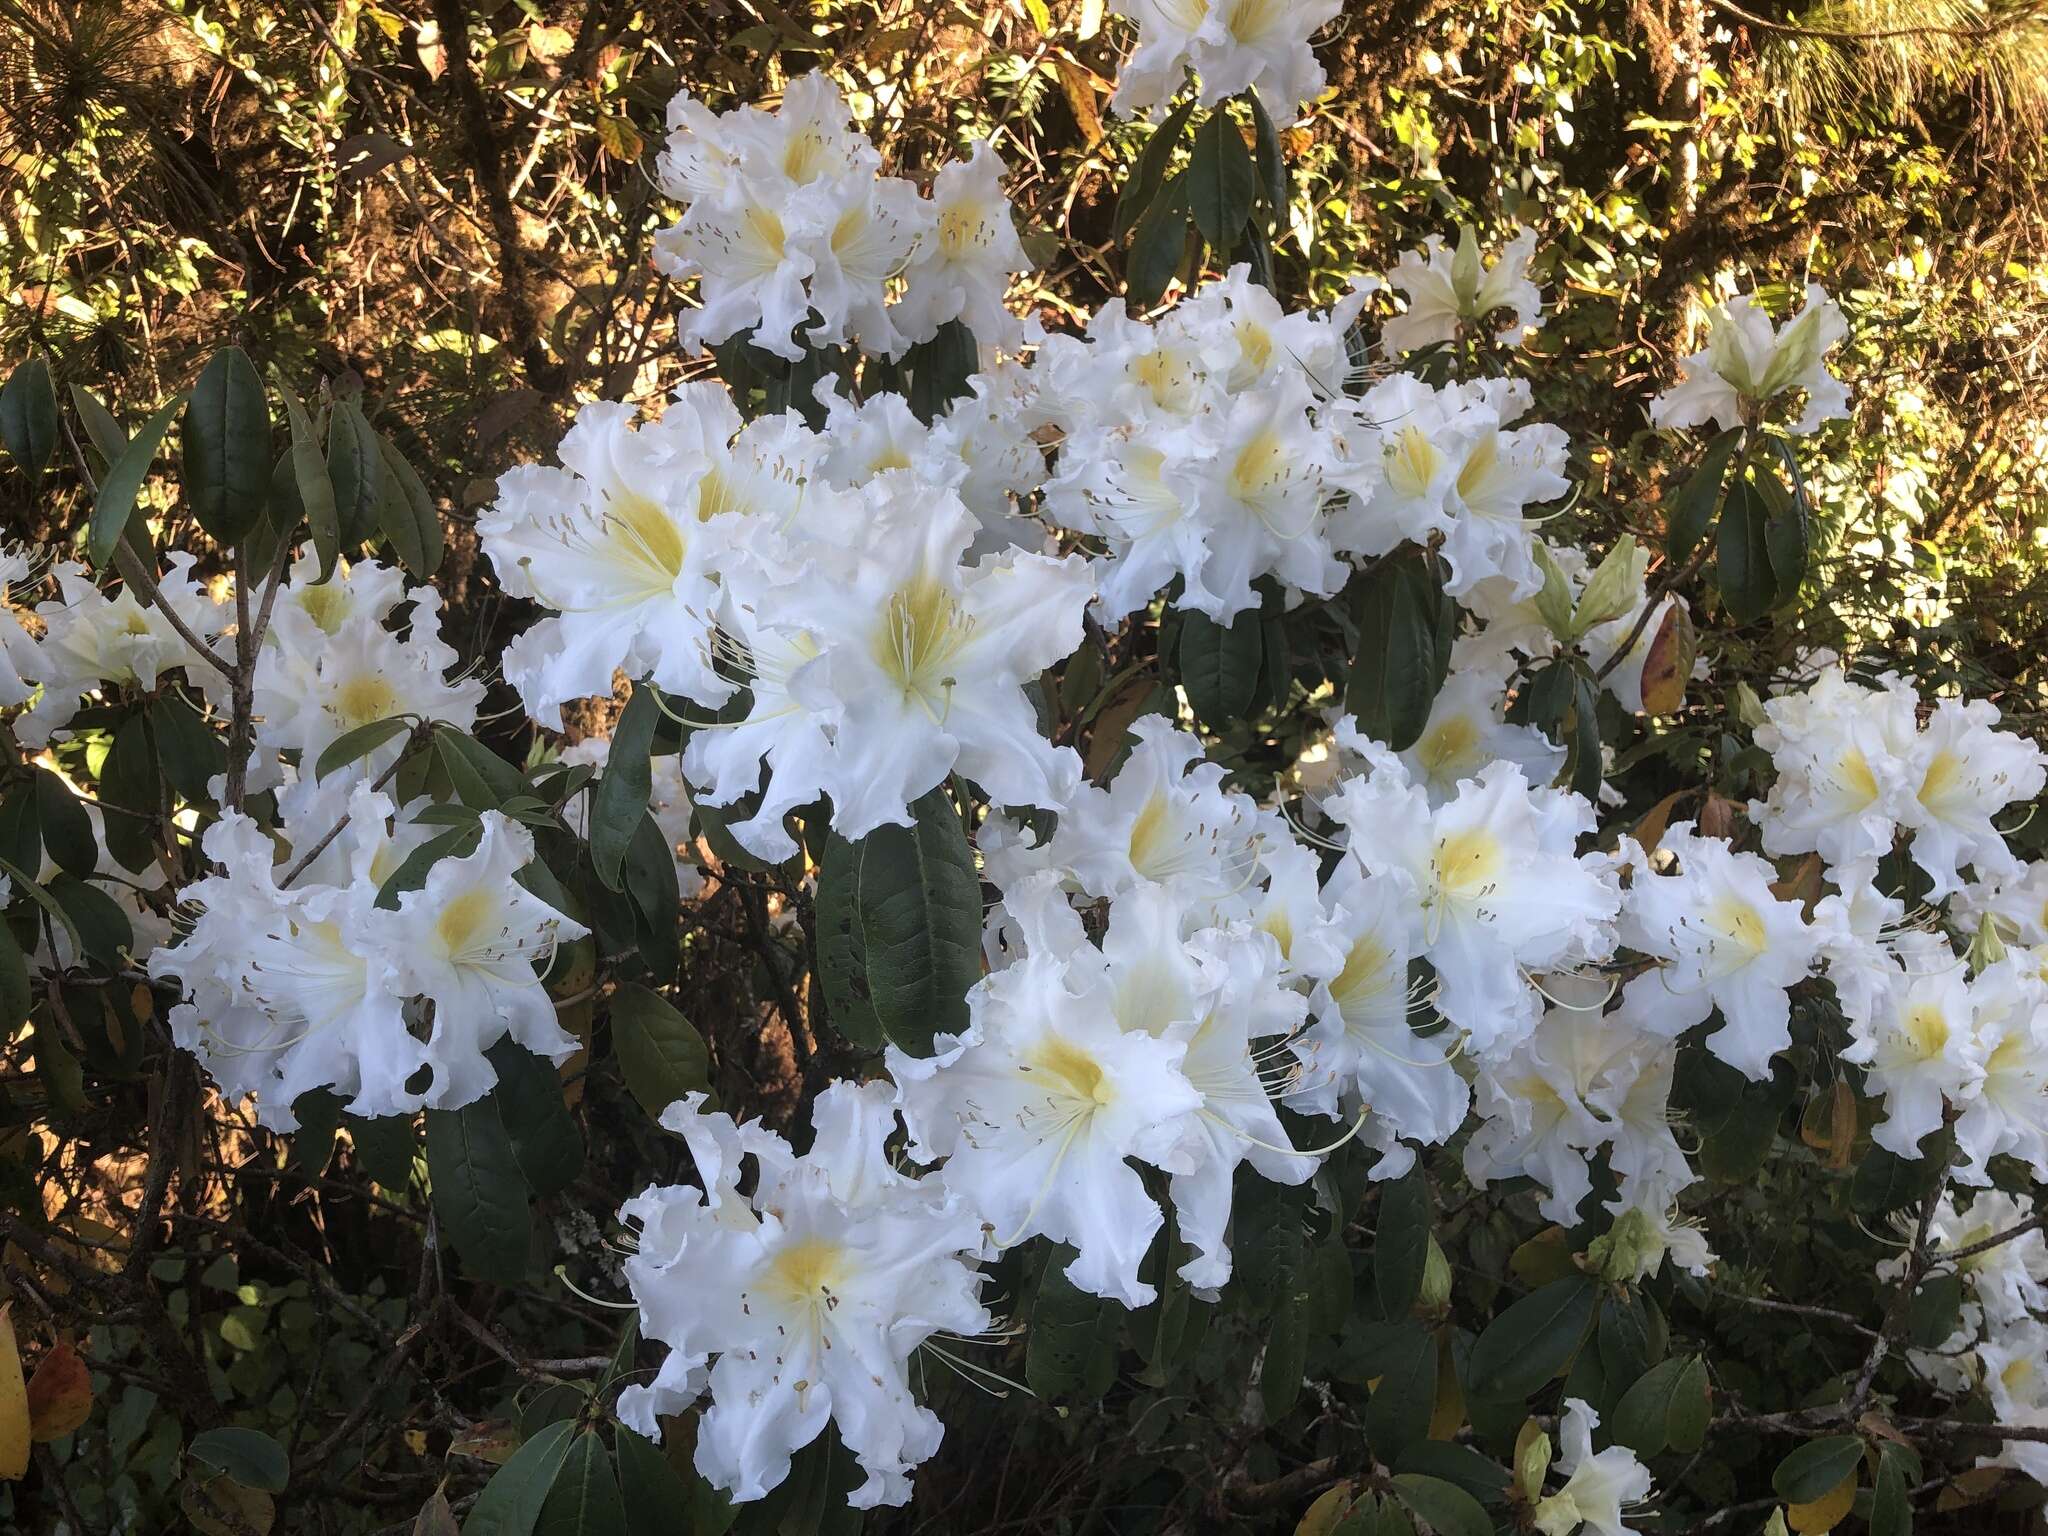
(28, 417)
(226, 447)
(480, 1196)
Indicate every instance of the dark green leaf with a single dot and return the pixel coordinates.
(1401, 1243)
(355, 465)
(1530, 1342)
(1624, 1338)
(1693, 508)
(123, 483)
(67, 827)
(661, 1053)
(315, 488)
(411, 874)
(28, 417)
(14, 993)
(653, 1493)
(101, 429)
(1157, 245)
(1449, 1509)
(918, 914)
(319, 1115)
(1933, 1312)
(1405, 626)
(653, 894)
(384, 1147)
(1150, 171)
(130, 783)
(1749, 588)
(1272, 160)
(940, 368)
(511, 1501)
(1891, 1511)
(406, 514)
(1692, 1408)
(1788, 535)
(226, 447)
(1070, 1350)
(1815, 1468)
(1885, 1181)
(479, 1193)
(192, 756)
(1487, 1481)
(1219, 666)
(842, 953)
(21, 838)
(544, 1134)
(249, 1456)
(620, 799)
(1286, 1358)
(1642, 1419)
(1221, 181)
(1398, 1414)
(483, 780)
(584, 1500)
(351, 746)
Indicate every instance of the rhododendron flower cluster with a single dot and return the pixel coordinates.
(298, 979)
(799, 240)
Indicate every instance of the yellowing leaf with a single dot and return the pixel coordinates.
(59, 1394)
(1447, 1414)
(1667, 664)
(549, 43)
(220, 1506)
(621, 140)
(1326, 1513)
(14, 1429)
(1825, 1512)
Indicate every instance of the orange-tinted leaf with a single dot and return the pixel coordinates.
(13, 1402)
(1657, 819)
(1667, 665)
(59, 1394)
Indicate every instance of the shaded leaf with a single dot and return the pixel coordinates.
(225, 447)
(660, 1052)
(479, 1193)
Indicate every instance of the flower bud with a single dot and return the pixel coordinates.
(1533, 1452)
(1632, 1248)
(1986, 947)
(1436, 1279)
(1467, 272)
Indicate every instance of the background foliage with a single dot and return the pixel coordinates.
(444, 213)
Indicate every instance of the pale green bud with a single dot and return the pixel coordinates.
(1532, 1463)
(1612, 591)
(1554, 600)
(1436, 1279)
(1987, 948)
(1749, 709)
(1632, 1248)
(1467, 271)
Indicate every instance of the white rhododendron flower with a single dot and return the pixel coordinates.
(1968, 772)
(2013, 1365)
(1468, 728)
(2008, 1282)
(312, 985)
(2008, 1114)
(90, 639)
(963, 270)
(20, 664)
(1446, 289)
(807, 1297)
(1037, 1108)
(1748, 362)
(1232, 45)
(1920, 1046)
(1495, 887)
(1722, 940)
(1364, 1051)
(1448, 465)
(1165, 819)
(1844, 760)
(923, 660)
(1599, 1485)
(330, 668)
